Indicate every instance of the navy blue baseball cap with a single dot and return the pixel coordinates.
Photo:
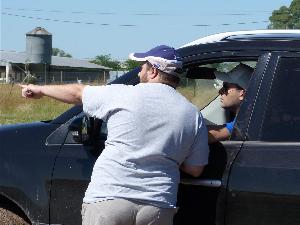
(163, 57)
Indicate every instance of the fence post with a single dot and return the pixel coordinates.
(45, 71)
(8, 71)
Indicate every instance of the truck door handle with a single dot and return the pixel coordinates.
(202, 182)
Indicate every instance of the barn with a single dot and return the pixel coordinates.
(38, 65)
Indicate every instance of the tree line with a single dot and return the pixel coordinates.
(103, 60)
(286, 17)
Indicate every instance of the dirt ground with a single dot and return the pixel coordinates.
(8, 218)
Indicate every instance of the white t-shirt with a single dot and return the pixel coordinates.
(152, 130)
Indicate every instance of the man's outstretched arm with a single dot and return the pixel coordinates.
(68, 93)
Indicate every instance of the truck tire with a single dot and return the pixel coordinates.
(7, 217)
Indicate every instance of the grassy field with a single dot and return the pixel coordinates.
(15, 109)
(200, 94)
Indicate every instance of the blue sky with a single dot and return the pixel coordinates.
(88, 28)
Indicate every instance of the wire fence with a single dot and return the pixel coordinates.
(57, 77)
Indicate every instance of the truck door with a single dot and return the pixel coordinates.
(203, 200)
(264, 182)
(73, 167)
(81, 141)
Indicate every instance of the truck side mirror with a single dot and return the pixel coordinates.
(80, 129)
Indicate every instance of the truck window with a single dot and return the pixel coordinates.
(202, 91)
(282, 118)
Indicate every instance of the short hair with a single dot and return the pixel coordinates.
(169, 79)
(166, 78)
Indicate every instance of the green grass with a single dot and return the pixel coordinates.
(199, 94)
(15, 109)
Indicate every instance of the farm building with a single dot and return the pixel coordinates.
(38, 63)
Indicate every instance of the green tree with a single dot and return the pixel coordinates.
(295, 12)
(61, 53)
(130, 64)
(286, 17)
(106, 60)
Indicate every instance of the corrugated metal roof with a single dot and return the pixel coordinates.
(20, 57)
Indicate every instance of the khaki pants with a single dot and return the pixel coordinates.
(124, 212)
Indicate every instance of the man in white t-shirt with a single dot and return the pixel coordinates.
(152, 132)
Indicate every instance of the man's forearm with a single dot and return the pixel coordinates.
(217, 133)
(68, 93)
(195, 171)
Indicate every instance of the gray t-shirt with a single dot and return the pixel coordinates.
(152, 130)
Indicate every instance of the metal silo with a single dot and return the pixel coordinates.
(38, 46)
(38, 54)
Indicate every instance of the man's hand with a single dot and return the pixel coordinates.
(217, 133)
(31, 91)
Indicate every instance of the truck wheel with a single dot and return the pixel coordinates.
(9, 218)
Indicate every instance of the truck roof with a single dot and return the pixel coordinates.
(248, 35)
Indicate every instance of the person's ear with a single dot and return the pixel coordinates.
(242, 95)
(154, 72)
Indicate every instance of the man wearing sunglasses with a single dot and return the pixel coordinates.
(232, 93)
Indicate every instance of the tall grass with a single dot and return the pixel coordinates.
(15, 109)
(199, 93)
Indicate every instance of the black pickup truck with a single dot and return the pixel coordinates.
(251, 179)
